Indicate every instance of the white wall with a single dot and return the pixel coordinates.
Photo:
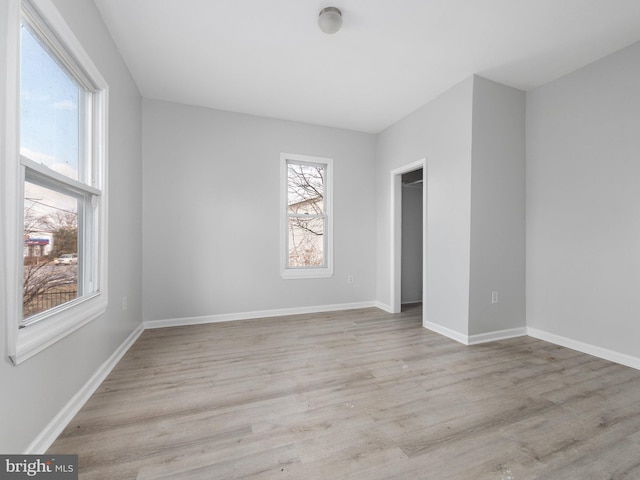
(583, 204)
(411, 270)
(497, 208)
(35, 391)
(212, 219)
(441, 132)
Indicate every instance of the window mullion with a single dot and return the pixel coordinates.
(306, 215)
(56, 180)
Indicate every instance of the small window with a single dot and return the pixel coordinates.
(307, 216)
(60, 160)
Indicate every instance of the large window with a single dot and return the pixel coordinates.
(307, 216)
(60, 159)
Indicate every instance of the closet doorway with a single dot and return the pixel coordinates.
(411, 244)
(408, 237)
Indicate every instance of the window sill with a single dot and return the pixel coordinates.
(290, 274)
(34, 338)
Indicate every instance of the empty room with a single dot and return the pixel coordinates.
(320, 240)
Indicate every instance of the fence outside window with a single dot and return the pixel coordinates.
(47, 300)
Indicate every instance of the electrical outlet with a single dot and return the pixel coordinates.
(494, 297)
(350, 279)
(124, 303)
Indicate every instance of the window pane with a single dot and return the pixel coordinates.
(50, 249)
(306, 242)
(49, 110)
(305, 188)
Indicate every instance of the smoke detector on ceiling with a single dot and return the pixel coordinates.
(330, 20)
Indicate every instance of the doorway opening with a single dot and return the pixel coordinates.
(411, 243)
(408, 235)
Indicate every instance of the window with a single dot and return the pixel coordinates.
(307, 216)
(60, 165)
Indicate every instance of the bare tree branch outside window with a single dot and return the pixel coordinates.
(305, 214)
(45, 284)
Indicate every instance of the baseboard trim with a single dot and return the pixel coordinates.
(411, 302)
(230, 317)
(478, 338)
(55, 427)
(604, 353)
(384, 306)
(447, 332)
(497, 335)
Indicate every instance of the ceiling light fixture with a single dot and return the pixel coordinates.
(330, 20)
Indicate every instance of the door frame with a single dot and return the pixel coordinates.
(396, 232)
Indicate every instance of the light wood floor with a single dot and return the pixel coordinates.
(355, 395)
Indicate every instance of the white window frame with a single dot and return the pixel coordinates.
(26, 339)
(306, 272)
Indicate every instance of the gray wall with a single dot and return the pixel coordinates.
(35, 391)
(441, 132)
(473, 139)
(497, 208)
(212, 213)
(583, 204)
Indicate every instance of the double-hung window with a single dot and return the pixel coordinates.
(307, 226)
(60, 170)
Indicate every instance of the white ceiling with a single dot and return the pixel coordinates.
(269, 58)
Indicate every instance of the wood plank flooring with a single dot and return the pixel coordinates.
(359, 394)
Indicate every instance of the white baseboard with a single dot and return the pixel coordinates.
(383, 306)
(604, 353)
(497, 335)
(55, 427)
(447, 332)
(411, 302)
(230, 317)
(478, 338)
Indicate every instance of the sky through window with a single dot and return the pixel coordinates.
(49, 110)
